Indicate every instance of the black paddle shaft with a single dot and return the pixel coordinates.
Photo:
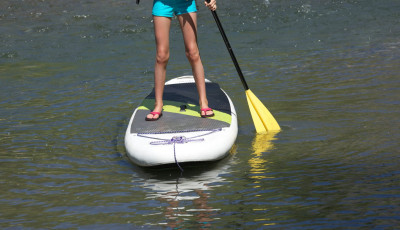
(228, 46)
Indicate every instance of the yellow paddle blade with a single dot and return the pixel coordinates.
(262, 118)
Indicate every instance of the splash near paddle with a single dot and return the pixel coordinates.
(181, 134)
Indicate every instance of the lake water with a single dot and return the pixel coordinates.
(71, 73)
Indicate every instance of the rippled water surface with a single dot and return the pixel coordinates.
(71, 73)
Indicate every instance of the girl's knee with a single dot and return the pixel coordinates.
(193, 54)
(162, 57)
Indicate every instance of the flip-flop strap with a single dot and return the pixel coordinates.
(155, 113)
(206, 109)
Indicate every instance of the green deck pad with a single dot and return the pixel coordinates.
(174, 120)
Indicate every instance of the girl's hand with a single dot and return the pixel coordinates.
(212, 5)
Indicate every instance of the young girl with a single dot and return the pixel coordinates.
(185, 10)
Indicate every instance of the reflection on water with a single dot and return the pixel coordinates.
(262, 143)
(201, 212)
(185, 195)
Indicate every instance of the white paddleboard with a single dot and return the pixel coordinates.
(181, 135)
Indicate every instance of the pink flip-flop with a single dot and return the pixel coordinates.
(205, 113)
(154, 119)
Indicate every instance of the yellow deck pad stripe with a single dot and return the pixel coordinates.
(191, 110)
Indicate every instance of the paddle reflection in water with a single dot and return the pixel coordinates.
(258, 172)
(184, 197)
(258, 165)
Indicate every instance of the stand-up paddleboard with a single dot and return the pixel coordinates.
(181, 134)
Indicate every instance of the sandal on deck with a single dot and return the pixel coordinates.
(205, 110)
(154, 119)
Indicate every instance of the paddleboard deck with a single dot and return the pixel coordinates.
(199, 139)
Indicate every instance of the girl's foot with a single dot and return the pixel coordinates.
(206, 112)
(153, 116)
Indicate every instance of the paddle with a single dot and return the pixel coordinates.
(262, 118)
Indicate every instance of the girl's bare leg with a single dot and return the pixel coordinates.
(188, 24)
(161, 31)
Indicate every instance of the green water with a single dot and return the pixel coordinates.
(71, 73)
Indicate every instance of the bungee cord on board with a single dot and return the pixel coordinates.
(177, 140)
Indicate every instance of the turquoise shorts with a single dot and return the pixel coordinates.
(167, 8)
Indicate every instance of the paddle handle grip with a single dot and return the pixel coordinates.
(228, 46)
